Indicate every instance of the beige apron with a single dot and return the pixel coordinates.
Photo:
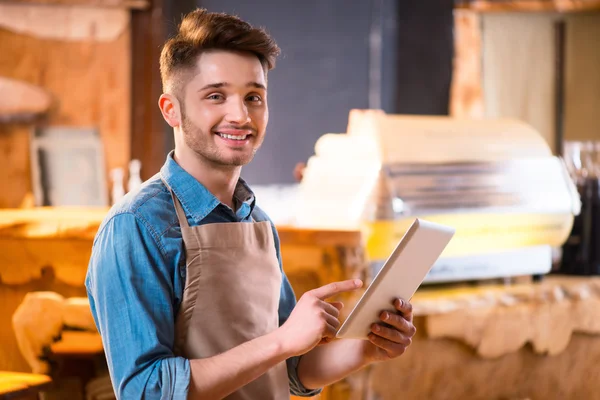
(231, 296)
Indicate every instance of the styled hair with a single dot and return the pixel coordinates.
(201, 30)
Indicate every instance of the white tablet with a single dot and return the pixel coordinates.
(400, 276)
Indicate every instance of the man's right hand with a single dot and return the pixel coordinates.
(313, 319)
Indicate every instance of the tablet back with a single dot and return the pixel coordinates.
(400, 276)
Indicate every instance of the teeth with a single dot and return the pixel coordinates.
(232, 136)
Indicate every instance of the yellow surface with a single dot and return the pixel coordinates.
(51, 222)
(15, 382)
(475, 233)
(78, 343)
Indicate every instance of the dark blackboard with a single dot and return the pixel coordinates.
(424, 52)
(322, 74)
(324, 70)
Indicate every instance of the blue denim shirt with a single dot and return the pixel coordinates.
(136, 277)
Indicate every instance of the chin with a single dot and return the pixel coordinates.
(236, 160)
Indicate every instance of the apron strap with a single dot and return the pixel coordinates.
(183, 222)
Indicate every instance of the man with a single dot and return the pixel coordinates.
(185, 280)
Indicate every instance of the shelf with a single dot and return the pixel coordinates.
(22, 101)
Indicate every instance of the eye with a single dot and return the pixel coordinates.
(215, 97)
(254, 98)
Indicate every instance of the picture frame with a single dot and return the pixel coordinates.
(67, 167)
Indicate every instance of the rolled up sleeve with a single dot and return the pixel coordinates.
(131, 292)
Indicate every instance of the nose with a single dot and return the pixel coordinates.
(237, 112)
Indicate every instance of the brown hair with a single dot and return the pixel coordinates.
(201, 30)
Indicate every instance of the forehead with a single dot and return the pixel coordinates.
(235, 68)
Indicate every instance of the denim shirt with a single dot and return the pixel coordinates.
(136, 276)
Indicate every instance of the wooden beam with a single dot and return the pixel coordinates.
(563, 6)
(148, 131)
(65, 23)
(466, 91)
(151, 137)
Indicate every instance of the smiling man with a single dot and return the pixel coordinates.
(185, 280)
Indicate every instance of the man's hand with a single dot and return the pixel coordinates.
(314, 320)
(390, 338)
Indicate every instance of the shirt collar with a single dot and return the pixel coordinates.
(196, 199)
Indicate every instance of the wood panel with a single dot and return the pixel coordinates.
(466, 92)
(518, 65)
(438, 369)
(557, 364)
(64, 22)
(149, 131)
(15, 180)
(90, 82)
(151, 137)
(582, 84)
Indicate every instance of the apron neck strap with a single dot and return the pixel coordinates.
(178, 208)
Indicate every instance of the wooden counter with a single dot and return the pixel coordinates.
(48, 249)
(530, 341)
(15, 385)
(536, 341)
(61, 238)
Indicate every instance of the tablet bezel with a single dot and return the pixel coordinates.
(355, 317)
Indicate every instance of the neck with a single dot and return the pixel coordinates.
(219, 180)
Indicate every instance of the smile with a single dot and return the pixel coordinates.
(232, 137)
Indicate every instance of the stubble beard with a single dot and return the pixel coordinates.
(206, 149)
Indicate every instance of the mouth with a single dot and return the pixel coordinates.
(232, 137)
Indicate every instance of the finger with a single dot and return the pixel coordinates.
(399, 322)
(330, 332)
(334, 288)
(392, 349)
(393, 335)
(405, 308)
(330, 308)
(337, 304)
(332, 321)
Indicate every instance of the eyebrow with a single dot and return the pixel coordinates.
(219, 85)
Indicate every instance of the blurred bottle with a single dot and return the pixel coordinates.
(594, 250)
(135, 181)
(118, 189)
(581, 252)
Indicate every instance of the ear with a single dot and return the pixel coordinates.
(169, 107)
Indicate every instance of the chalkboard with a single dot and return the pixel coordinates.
(321, 74)
(338, 55)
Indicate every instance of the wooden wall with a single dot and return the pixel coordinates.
(88, 79)
(15, 180)
(582, 77)
(81, 56)
(505, 66)
(519, 71)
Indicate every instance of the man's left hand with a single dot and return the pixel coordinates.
(390, 337)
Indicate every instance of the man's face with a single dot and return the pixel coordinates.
(225, 114)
